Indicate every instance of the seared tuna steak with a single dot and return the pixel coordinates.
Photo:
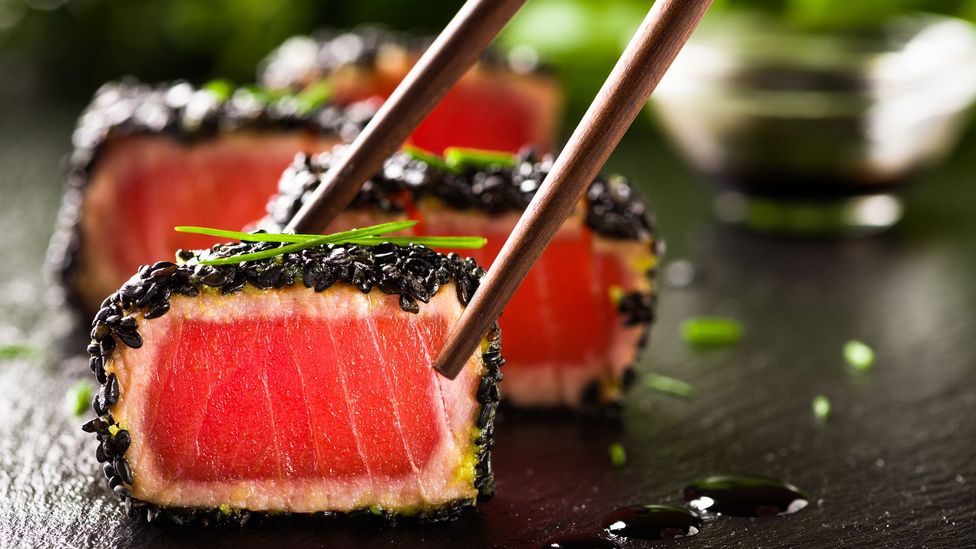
(300, 383)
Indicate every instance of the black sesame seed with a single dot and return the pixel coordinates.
(100, 330)
(158, 310)
(630, 376)
(216, 278)
(100, 374)
(636, 308)
(110, 391)
(98, 405)
(100, 455)
(106, 346)
(131, 339)
(118, 444)
(95, 426)
(153, 513)
(96, 363)
(175, 517)
(123, 470)
(409, 304)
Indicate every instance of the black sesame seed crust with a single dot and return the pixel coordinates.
(613, 207)
(360, 47)
(183, 112)
(415, 273)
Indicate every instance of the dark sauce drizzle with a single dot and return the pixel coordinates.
(719, 494)
(652, 522)
(744, 496)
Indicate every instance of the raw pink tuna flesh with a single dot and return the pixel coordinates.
(298, 401)
(487, 109)
(562, 330)
(144, 186)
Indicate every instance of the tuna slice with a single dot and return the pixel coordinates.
(300, 385)
(147, 159)
(575, 326)
(500, 104)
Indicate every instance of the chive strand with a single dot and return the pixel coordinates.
(365, 236)
(460, 242)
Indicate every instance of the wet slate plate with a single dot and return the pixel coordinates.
(893, 467)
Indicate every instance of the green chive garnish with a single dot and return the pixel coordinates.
(669, 385)
(858, 355)
(220, 88)
(16, 350)
(618, 455)
(314, 96)
(246, 237)
(78, 397)
(711, 331)
(458, 158)
(263, 95)
(459, 242)
(427, 157)
(821, 407)
(366, 236)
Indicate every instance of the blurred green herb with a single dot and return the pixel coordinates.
(78, 397)
(313, 96)
(618, 455)
(858, 355)
(427, 157)
(220, 88)
(821, 407)
(16, 350)
(458, 158)
(669, 385)
(711, 331)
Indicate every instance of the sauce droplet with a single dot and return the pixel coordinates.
(745, 496)
(579, 541)
(652, 522)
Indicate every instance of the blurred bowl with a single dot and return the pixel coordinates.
(813, 133)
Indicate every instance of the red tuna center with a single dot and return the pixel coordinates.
(563, 313)
(296, 397)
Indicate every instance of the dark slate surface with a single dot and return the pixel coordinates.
(893, 467)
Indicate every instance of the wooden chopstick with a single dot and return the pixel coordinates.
(453, 52)
(647, 57)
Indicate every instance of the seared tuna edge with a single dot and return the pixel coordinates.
(291, 65)
(180, 111)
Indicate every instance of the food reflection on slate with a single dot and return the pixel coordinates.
(290, 374)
